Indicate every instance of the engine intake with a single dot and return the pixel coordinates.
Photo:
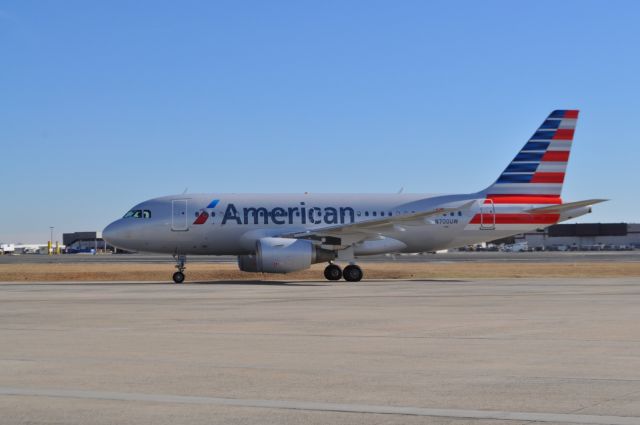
(283, 255)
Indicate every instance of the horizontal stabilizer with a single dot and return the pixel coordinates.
(564, 207)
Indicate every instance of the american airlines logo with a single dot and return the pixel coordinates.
(279, 215)
(204, 215)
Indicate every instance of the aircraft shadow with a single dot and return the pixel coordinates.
(255, 282)
(152, 283)
(227, 282)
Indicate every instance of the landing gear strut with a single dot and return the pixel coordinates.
(178, 277)
(333, 272)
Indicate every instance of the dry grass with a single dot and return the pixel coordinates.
(390, 270)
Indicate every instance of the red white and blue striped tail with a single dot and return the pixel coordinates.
(540, 166)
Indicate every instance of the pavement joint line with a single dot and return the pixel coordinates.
(326, 407)
(607, 400)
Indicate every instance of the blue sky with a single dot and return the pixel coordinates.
(105, 104)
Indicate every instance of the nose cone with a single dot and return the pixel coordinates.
(116, 234)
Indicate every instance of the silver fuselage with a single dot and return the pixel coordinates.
(230, 224)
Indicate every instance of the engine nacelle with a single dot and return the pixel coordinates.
(283, 255)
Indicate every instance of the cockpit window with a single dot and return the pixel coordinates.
(138, 214)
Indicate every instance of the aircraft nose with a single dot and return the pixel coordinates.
(114, 234)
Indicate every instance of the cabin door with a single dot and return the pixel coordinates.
(488, 215)
(179, 217)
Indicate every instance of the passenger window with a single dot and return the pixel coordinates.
(359, 213)
(452, 214)
(459, 213)
(375, 213)
(366, 213)
(382, 213)
(390, 214)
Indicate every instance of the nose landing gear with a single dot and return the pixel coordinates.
(181, 260)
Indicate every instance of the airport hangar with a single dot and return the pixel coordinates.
(584, 236)
(84, 241)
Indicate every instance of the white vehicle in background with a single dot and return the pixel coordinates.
(32, 249)
(516, 247)
(7, 248)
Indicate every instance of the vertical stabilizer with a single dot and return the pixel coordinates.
(539, 168)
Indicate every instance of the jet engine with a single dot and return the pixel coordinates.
(283, 255)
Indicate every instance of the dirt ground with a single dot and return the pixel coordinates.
(390, 270)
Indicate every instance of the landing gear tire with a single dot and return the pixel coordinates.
(178, 277)
(181, 260)
(332, 272)
(352, 273)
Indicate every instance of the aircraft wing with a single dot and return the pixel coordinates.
(355, 232)
(557, 209)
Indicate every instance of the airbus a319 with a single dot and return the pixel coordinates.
(282, 233)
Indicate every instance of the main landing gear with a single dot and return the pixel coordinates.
(333, 272)
(351, 273)
(178, 277)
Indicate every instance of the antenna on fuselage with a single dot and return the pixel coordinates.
(401, 190)
(185, 190)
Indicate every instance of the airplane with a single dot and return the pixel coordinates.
(283, 233)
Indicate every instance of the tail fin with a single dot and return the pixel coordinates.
(539, 167)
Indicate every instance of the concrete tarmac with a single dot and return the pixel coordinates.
(377, 352)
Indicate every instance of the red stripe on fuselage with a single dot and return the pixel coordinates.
(523, 199)
(516, 219)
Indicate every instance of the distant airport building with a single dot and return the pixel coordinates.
(85, 242)
(584, 236)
